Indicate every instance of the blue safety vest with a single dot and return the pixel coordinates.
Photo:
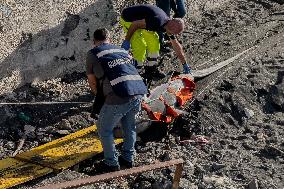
(122, 74)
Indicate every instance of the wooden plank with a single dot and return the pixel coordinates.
(14, 172)
(119, 174)
(67, 151)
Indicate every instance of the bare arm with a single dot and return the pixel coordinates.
(90, 73)
(178, 50)
(138, 24)
(92, 83)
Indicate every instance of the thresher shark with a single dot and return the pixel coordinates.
(165, 102)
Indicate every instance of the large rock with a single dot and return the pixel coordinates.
(45, 39)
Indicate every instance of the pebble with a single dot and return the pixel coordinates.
(214, 179)
(45, 139)
(157, 185)
(260, 136)
(249, 113)
(29, 129)
(63, 132)
(65, 125)
(184, 183)
(40, 134)
(10, 145)
(144, 185)
(217, 166)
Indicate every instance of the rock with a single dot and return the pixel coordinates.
(217, 166)
(29, 129)
(167, 185)
(248, 146)
(157, 185)
(40, 129)
(4, 114)
(249, 113)
(260, 136)
(188, 168)
(40, 134)
(10, 145)
(277, 93)
(214, 179)
(45, 139)
(253, 184)
(65, 125)
(63, 132)
(50, 129)
(144, 185)
(184, 183)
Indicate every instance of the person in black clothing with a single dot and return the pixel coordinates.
(141, 24)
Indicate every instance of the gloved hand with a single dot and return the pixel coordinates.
(126, 45)
(186, 68)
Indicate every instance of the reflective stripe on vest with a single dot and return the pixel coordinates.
(118, 68)
(125, 78)
(110, 51)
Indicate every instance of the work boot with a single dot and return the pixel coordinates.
(102, 167)
(152, 72)
(124, 163)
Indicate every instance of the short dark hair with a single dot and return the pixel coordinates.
(101, 34)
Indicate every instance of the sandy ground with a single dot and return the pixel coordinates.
(239, 109)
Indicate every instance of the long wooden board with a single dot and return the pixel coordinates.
(67, 151)
(14, 172)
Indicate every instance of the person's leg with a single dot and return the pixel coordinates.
(138, 44)
(180, 9)
(165, 6)
(129, 130)
(153, 48)
(138, 47)
(108, 119)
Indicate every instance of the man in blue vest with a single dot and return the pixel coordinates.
(111, 68)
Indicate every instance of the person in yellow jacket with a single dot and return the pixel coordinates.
(141, 24)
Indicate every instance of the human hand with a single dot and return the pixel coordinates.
(186, 68)
(126, 45)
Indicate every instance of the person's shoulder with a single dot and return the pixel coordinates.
(91, 56)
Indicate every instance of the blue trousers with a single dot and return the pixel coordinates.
(109, 117)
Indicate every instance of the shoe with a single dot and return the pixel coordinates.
(124, 163)
(152, 72)
(102, 167)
